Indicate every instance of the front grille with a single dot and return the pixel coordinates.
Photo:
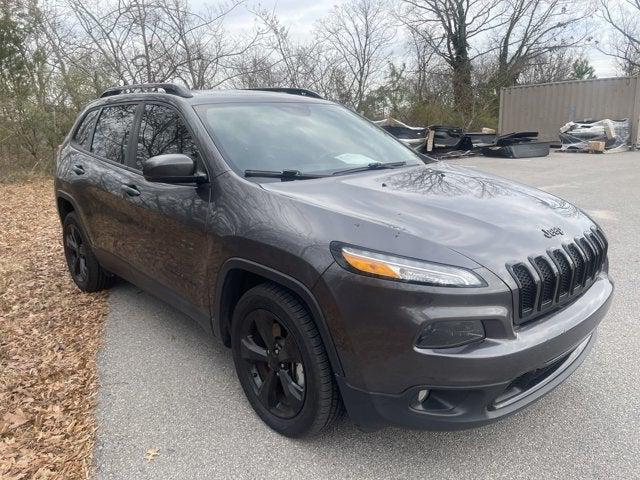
(565, 272)
(578, 262)
(550, 280)
(527, 288)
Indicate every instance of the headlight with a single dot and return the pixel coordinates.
(404, 269)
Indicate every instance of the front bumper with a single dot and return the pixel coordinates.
(457, 409)
(468, 386)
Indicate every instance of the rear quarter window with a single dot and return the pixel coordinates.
(82, 136)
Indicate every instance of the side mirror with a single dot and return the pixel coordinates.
(172, 168)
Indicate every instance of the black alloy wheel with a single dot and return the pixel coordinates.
(282, 363)
(274, 362)
(83, 266)
(76, 253)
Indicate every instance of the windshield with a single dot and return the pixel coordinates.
(307, 137)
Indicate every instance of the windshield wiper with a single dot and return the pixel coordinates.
(371, 166)
(284, 174)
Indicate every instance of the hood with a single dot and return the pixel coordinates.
(490, 220)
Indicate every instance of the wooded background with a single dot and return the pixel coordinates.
(422, 61)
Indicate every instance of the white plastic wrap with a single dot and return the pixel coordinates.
(575, 136)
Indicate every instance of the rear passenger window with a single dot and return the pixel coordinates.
(82, 136)
(163, 131)
(112, 132)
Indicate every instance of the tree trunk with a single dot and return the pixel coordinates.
(462, 88)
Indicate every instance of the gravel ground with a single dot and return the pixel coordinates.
(165, 386)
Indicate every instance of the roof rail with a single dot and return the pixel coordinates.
(170, 88)
(303, 92)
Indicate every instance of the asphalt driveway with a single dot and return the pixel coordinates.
(166, 386)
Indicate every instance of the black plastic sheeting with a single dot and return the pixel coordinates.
(448, 142)
(445, 141)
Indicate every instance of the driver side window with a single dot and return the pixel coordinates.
(163, 131)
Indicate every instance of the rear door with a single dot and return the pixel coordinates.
(166, 234)
(107, 212)
(76, 170)
(94, 167)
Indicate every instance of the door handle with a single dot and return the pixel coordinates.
(130, 190)
(78, 169)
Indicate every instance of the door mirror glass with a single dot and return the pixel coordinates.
(172, 168)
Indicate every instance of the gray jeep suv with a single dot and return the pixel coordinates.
(341, 267)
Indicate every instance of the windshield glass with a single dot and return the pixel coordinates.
(308, 137)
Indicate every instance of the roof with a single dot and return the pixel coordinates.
(232, 96)
(178, 94)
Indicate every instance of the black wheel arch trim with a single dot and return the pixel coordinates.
(286, 281)
(60, 194)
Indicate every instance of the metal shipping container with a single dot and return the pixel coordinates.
(548, 106)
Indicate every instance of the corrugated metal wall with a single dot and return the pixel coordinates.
(548, 106)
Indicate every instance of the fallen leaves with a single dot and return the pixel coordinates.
(14, 420)
(151, 454)
(49, 335)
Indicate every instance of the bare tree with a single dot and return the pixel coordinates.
(359, 32)
(553, 66)
(624, 42)
(204, 54)
(454, 30)
(422, 64)
(533, 29)
(139, 41)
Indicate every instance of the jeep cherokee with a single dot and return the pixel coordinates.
(341, 267)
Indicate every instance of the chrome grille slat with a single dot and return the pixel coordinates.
(553, 279)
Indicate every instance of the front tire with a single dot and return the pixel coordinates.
(83, 266)
(281, 362)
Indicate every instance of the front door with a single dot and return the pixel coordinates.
(166, 240)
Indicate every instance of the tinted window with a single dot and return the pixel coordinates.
(112, 132)
(163, 131)
(309, 137)
(83, 133)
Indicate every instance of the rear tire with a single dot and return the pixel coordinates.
(281, 362)
(83, 266)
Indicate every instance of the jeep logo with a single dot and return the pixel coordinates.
(552, 232)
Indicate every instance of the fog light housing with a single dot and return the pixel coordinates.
(448, 334)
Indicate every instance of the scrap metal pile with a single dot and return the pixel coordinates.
(444, 141)
(412, 136)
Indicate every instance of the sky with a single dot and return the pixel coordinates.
(300, 15)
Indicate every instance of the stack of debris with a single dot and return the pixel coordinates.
(412, 136)
(595, 136)
(517, 145)
(451, 142)
(444, 141)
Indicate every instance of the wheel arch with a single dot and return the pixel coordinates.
(65, 205)
(234, 275)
